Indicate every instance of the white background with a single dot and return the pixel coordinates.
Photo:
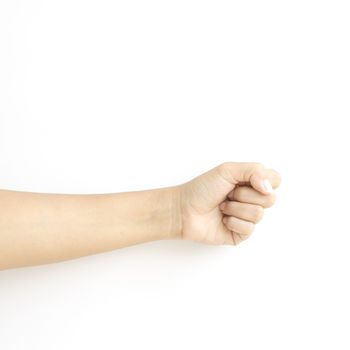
(108, 96)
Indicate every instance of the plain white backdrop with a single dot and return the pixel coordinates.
(109, 96)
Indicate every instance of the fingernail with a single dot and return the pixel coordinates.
(267, 186)
(222, 206)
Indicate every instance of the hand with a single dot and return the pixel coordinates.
(223, 205)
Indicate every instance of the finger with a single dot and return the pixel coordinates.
(253, 173)
(246, 194)
(240, 226)
(234, 238)
(237, 238)
(274, 177)
(244, 211)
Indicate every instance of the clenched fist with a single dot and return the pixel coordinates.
(223, 205)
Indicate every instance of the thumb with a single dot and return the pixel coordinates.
(253, 174)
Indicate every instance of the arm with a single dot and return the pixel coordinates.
(220, 206)
(37, 228)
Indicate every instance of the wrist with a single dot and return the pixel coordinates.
(175, 212)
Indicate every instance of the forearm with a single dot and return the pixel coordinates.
(38, 228)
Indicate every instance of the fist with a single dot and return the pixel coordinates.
(223, 205)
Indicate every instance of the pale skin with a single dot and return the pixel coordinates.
(218, 207)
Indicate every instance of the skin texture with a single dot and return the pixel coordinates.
(220, 206)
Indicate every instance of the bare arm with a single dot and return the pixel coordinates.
(220, 206)
(37, 228)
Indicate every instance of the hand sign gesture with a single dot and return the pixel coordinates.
(223, 205)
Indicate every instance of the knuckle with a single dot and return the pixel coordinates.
(231, 207)
(236, 193)
(279, 179)
(240, 238)
(257, 165)
(270, 200)
(239, 192)
(225, 164)
(259, 213)
(250, 228)
(223, 170)
(253, 168)
(230, 221)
